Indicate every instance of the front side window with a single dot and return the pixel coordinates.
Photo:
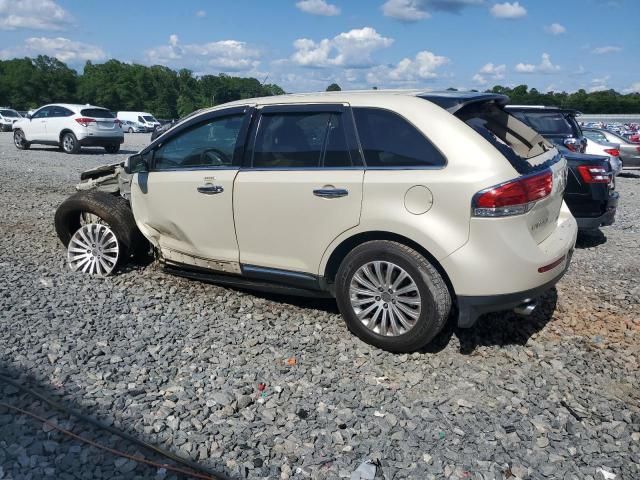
(150, 119)
(140, 119)
(208, 145)
(43, 112)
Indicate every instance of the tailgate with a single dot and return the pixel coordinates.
(542, 218)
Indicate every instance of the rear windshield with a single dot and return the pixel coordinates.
(552, 123)
(9, 113)
(96, 113)
(515, 140)
(149, 118)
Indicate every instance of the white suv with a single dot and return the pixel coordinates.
(8, 116)
(404, 206)
(70, 127)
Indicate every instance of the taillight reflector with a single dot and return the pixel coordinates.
(513, 198)
(553, 265)
(591, 174)
(84, 121)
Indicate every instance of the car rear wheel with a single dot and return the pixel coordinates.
(130, 130)
(391, 296)
(20, 141)
(112, 148)
(70, 143)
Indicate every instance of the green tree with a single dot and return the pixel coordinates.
(334, 87)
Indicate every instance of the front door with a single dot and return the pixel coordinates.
(300, 188)
(37, 129)
(184, 203)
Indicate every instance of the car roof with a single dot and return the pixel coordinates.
(543, 108)
(72, 106)
(449, 100)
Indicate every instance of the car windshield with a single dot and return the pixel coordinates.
(554, 123)
(149, 118)
(9, 113)
(96, 113)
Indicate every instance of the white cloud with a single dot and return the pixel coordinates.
(414, 10)
(633, 88)
(201, 14)
(555, 29)
(489, 71)
(545, 66)
(508, 10)
(600, 84)
(318, 7)
(63, 49)
(405, 10)
(33, 14)
(606, 49)
(224, 55)
(348, 49)
(408, 70)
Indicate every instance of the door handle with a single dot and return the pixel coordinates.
(331, 192)
(210, 189)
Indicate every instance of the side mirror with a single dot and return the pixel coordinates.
(135, 164)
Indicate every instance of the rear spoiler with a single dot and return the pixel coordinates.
(454, 103)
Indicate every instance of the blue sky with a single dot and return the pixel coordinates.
(306, 44)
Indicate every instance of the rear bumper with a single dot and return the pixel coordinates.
(471, 307)
(607, 218)
(101, 141)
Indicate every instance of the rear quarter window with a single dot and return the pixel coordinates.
(390, 141)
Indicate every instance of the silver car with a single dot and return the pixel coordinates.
(629, 152)
(132, 127)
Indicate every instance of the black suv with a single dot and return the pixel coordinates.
(590, 187)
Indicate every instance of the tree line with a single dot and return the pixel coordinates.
(27, 83)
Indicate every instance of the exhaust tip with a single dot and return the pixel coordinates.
(526, 308)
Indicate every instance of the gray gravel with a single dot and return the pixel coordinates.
(179, 363)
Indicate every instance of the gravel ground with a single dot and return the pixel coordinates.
(178, 363)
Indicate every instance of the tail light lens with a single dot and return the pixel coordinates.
(513, 198)
(591, 174)
(614, 152)
(85, 121)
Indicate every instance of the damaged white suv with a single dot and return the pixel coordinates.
(407, 207)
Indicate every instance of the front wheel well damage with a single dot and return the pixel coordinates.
(341, 251)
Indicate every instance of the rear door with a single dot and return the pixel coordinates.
(184, 203)
(300, 186)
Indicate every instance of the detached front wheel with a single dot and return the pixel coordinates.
(100, 228)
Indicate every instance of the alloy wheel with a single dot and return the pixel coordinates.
(68, 143)
(93, 249)
(385, 298)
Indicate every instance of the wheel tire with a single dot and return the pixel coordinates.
(19, 140)
(113, 210)
(70, 143)
(434, 295)
(112, 148)
(130, 130)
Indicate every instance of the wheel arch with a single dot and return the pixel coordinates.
(348, 244)
(63, 132)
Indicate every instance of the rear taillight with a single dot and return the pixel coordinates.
(85, 121)
(572, 144)
(513, 198)
(591, 174)
(614, 152)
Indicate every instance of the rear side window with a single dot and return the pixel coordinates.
(301, 140)
(390, 141)
(96, 113)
